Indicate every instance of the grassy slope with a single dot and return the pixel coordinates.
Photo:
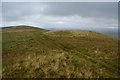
(36, 53)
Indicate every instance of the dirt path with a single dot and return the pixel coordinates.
(108, 67)
(102, 63)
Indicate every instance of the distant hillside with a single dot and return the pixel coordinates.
(77, 33)
(21, 28)
(30, 52)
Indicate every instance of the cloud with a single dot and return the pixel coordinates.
(89, 9)
(64, 15)
(15, 11)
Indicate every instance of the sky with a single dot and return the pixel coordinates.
(62, 15)
(60, 0)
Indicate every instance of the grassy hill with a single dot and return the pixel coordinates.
(29, 52)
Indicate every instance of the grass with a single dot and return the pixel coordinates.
(41, 53)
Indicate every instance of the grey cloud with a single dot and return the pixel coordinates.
(89, 9)
(61, 14)
(85, 9)
(15, 11)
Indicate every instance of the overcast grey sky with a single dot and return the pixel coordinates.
(61, 15)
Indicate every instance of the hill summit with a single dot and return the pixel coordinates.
(30, 52)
